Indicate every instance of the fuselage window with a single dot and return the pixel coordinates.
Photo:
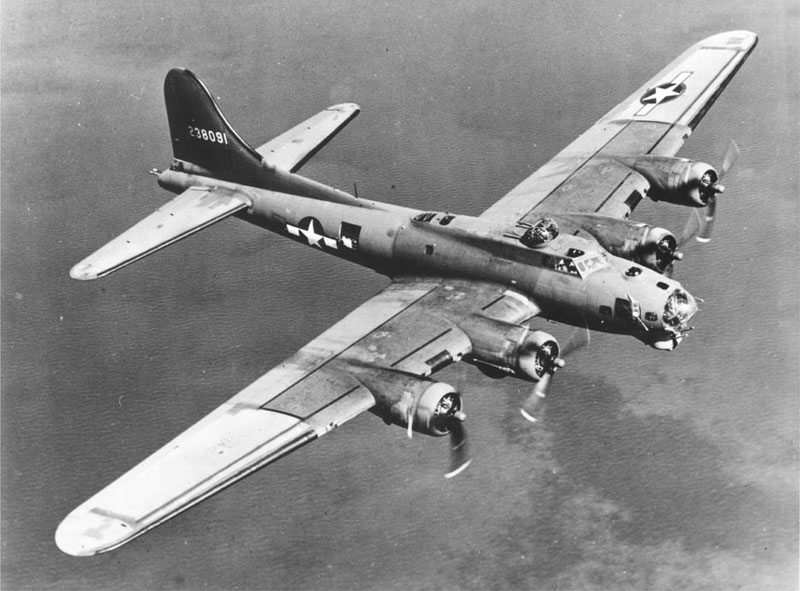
(622, 309)
(424, 217)
(605, 310)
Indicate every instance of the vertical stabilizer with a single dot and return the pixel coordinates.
(202, 136)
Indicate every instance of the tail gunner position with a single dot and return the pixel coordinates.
(558, 246)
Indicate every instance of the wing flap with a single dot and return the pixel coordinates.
(191, 211)
(290, 150)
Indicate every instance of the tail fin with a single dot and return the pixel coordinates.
(200, 133)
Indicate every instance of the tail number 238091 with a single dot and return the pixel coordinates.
(215, 137)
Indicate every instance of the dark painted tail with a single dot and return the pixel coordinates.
(202, 136)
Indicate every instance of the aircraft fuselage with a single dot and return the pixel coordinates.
(573, 279)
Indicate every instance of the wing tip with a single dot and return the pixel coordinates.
(741, 39)
(83, 271)
(345, 108)
(86, 534)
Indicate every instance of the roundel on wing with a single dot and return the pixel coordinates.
(663, 93)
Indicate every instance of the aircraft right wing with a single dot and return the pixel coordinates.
(394, 341)
(290, 150)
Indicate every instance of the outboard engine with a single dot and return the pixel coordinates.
(676, 180)
(417, 404)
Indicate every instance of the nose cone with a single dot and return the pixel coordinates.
(679, 309)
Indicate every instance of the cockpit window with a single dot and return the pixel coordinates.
(540, 233)
(562, 264)
(590, 264)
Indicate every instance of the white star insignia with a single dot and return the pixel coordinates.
(311, 235)
(662, 93)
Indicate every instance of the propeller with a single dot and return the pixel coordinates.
(579, 338)
(412, 411)
(696, 225)
(535, 398)
(459, 451)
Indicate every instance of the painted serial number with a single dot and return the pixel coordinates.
(215, 137)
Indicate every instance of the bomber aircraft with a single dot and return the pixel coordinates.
(558, 247)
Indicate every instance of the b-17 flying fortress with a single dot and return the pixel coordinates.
(559, 246)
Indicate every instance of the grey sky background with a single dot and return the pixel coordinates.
(649, 470)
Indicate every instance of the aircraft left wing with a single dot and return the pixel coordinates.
(409, 331)
(290, 150)
(656, 119)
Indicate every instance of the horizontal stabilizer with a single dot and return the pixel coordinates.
(189, 212)
(290, 150)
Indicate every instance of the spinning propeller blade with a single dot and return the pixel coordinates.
(730, 157)
(706, 225)
(579, 338)
(459, 451)
(534, 400)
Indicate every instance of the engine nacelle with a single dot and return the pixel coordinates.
(650, 246)
(430, 406)
(656, 249)
(676, 180)
(511, 349)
